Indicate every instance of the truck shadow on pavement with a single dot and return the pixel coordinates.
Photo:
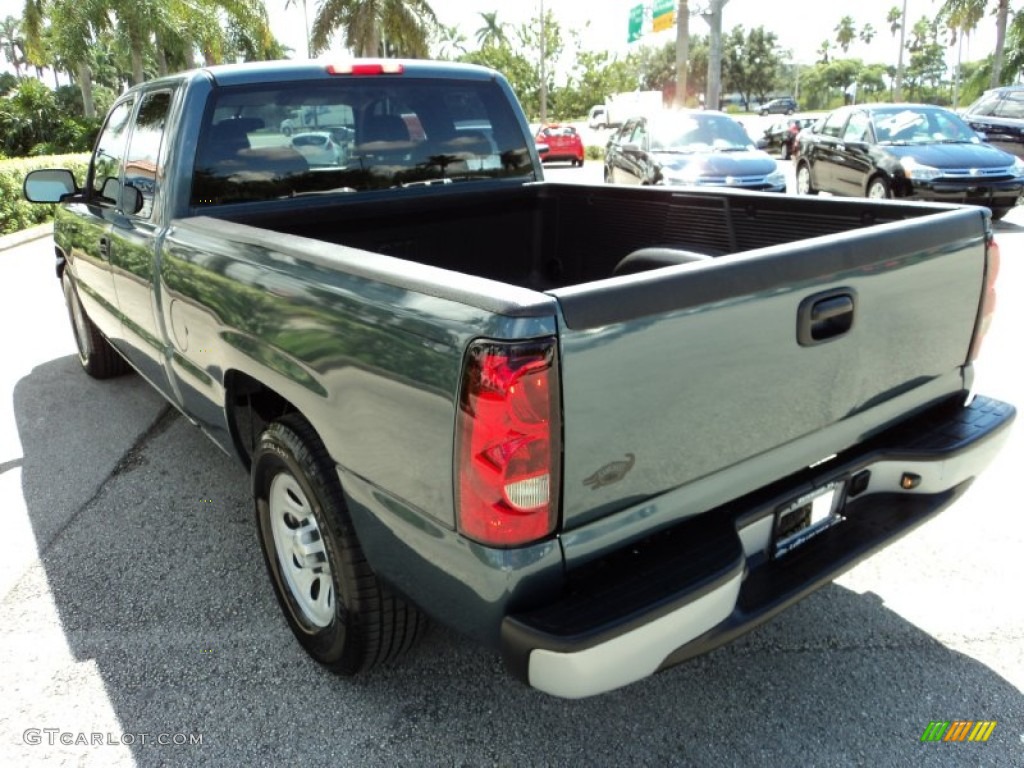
(157, 587)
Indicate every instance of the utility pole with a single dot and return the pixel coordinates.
(682, 50)
(713, 16)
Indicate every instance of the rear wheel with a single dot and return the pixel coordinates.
(804, 185)
(998, 213)
(341, 614)
(99, 359)
(878, 189)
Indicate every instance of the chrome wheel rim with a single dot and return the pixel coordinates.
(803, 180)
(877, 191)
(300, 550)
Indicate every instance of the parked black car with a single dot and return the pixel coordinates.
(915, 151)
(999, 115)
(695, 147)
(781, 135)
(784, 106)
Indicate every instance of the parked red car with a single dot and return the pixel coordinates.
(563, 143)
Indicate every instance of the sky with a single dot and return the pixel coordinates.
(800, 26)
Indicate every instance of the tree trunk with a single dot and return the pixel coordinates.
(138, 75)
(682, 50)
(1002, 12)
(85, 85)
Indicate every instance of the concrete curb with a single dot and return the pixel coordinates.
(26, 235)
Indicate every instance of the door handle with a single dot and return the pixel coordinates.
(825, 316)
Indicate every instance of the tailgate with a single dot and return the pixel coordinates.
(681, 374)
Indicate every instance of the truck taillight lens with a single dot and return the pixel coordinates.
(988, 299)
(508, 443)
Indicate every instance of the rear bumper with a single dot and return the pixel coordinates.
(691, 588)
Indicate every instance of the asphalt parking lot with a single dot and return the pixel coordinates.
(136, 617)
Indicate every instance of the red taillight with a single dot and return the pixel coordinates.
(988, 299)
(508, 443)
(366, 68)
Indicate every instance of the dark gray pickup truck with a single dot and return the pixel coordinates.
(601, 429)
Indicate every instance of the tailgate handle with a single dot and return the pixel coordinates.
(825, 316)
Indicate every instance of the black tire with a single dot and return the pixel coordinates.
(998, 213)
(346, 619)
(98, 358)
(803, 169)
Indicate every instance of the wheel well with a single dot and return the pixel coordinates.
(251, 406)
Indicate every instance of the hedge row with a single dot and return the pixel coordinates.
(16, 212)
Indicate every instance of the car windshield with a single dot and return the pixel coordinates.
(912, 125)
(698, 133)
(355, 135)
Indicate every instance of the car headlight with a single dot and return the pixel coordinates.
(1018, 166)
(919, 171)
(777, 179)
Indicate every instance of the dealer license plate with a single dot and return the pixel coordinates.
(806, 517)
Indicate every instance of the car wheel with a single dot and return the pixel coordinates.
(607, 175)
(341, 614)
(98, 357)
(580, 162)
(286, 131)
(878, 189)
(785, 151)
(804, 185)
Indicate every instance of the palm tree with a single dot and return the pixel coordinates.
(451, 43)
(492, 33)
(846, 32)
(867, 34)
(823, 50)
(404, 25)
(12, 44)
(895, 20)
(968, 14)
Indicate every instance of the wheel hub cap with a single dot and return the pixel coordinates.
(300, 550)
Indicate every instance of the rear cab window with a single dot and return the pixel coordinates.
(353, 136)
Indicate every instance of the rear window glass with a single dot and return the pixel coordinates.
(352, 135)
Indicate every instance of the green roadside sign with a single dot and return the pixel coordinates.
(664, 15)
(636, 23)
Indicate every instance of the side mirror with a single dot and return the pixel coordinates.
(860, 146)
(49, 185)
(630, 146)
(131, 199)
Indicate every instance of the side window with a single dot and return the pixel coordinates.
(639, 136)
(986, 105)
(857, 128)
(1012, 106)
(834, 124)
(142, 163)
(109, 156)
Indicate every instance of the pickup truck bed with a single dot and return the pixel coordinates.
(599, 428)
